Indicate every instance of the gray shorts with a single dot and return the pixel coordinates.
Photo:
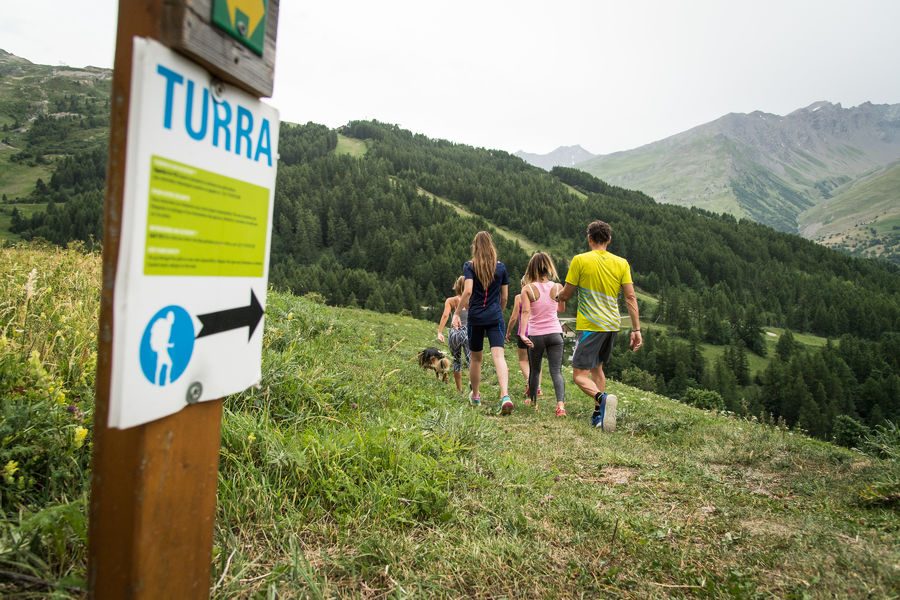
(593, 348)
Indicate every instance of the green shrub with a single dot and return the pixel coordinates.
(701, 398)
(848, 432)
(639, 378)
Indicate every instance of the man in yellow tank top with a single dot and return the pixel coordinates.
(598, 276)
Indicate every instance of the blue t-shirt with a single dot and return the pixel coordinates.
(484, 305)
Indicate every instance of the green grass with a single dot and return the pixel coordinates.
(529, 246)
(26, 210)
(575, 192)
(351, 146)
(352, 473)
(648, 301)
(17, 179)
(860, 216)
(712, 352)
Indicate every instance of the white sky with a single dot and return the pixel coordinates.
(534, 75)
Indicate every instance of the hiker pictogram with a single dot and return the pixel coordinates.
(167, 345)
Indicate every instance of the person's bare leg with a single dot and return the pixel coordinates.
(457, 377)
(584, 379)
(522, 355)
(599, 377)
(475, 372)
(501, 368)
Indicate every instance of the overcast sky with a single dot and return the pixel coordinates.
(534, 75)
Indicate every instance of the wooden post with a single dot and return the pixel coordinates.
(153, 489)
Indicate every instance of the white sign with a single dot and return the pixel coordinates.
(196, 234)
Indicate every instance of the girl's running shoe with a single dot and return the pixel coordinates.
(560, 411)
(474, 400)
(540, 392)
(506, 405)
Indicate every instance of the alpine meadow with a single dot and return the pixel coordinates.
(758, 444)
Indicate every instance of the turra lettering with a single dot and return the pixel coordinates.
(232, 129)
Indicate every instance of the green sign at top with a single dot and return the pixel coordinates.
(244, 20)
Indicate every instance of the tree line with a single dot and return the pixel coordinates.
(357, 231)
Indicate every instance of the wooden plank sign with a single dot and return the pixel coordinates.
(185, 261)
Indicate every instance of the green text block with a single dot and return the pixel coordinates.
(201, 223)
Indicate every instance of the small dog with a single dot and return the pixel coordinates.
(437, 361)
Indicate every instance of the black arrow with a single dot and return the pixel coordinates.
(232, 318)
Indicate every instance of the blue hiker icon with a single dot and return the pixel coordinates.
(167, 345)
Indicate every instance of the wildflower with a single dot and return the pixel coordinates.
(251, 438)
(9, 470)
(290, 316)
(75, 411)
(29, 284)
(80, 434)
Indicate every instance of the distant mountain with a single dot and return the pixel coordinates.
(862, 216)
(766, 167)
(564, 156)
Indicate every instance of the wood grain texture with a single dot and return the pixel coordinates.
(189, 30)
(153, 488)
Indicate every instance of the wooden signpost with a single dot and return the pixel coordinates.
(153, 492)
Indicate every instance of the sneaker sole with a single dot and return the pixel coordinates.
(609, 417)
(506, 409)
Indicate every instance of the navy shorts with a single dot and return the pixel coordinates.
(495, 333)
(593, 348)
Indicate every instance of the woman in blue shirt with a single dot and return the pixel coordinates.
(485, 293)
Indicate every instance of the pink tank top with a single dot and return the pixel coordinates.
(543, 312)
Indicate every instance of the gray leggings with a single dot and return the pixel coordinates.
(553, 344)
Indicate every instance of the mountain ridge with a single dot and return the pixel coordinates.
(563, 156)
(770, 168)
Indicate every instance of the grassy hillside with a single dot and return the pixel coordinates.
(350, 472)
(656, 170)
(526, 244)
(862, 216)
(47, 112)
(776, 170)
(25, 209)
(348, 145)
(711, 352)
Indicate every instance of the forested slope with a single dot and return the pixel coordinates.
(361, 231)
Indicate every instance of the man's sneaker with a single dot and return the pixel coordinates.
(609, 416)
(605, 416)
(506, 405)
(474, 400)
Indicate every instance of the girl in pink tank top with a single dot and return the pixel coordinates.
(542, 331)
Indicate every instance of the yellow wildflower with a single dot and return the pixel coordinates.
(251, 438)
(9, 470)
(80, 434)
